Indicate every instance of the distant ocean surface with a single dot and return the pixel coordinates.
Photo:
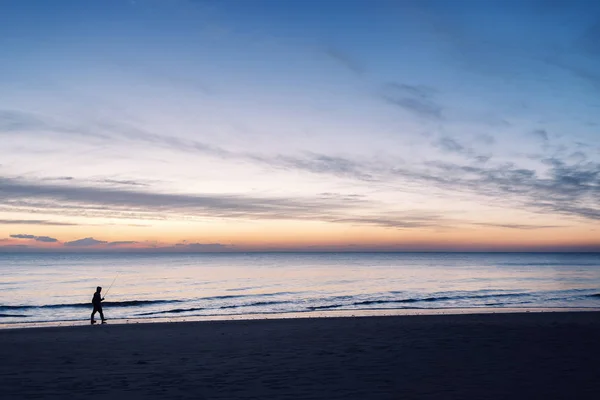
(59, 287)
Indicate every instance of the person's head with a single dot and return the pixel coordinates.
(98, 289)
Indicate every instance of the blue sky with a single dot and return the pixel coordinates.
(293, 125)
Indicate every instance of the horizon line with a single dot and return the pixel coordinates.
(162, 251)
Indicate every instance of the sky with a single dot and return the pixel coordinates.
(267, 125)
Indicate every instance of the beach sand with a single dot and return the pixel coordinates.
(493, 356)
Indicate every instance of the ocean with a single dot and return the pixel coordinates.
(55, 287)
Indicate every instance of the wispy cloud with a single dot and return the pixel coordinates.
(515, 226)
(564, 188)
(58, 178)
(26, 122)
(398, 220)
(346, 60)
(90, 197)
(45, 239)
(18, 121)
(121, 243)
(416, 99)
(541, 134)
(34, 222)
(450, 145)
(111, 202)
(22, 236)
(30, 123)
(453, 146)
(123, 182)
(93, 244)
(90, 241)
(316, 163)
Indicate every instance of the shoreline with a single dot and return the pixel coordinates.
(364, 313)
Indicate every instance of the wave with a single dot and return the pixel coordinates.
(241, 289)
(258, 303)
(138, 303)
(181, 310)
(239, 296)
(327, 303)
(508, 304)
(325, 307)
(463, 297)
(416, 300)
(174, 311)
(130, 303)
(441, 298)
(135, 303)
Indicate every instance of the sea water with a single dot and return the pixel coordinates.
(50, 287)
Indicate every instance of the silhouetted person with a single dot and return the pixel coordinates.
(97, 303)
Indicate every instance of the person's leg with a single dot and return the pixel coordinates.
(101, 313)
(93, 313)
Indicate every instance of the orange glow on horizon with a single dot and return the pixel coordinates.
(314, 235)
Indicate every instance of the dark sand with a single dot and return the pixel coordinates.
(496, 356)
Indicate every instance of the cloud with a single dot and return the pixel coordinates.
(577, 157)
(123, 182)
(482, 159)
(26, 122)
(416, 99)
(560, 184)
(132, 133)
(541, 134)
(308, 162)
(84, 242)
(108, 200)
(345, 60)
(34, 222)
(88, 201)
(117, 202)
(572, 189)
(396, 220)
(450, 145)
(515, 226)
(125, 245)
(45, 239)
(58, 178)
(22, 236)
(16, 121)
(318, 164)
(563, 188)
(486, 139)
(121, 243)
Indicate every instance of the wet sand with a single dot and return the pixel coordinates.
(491, 356)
